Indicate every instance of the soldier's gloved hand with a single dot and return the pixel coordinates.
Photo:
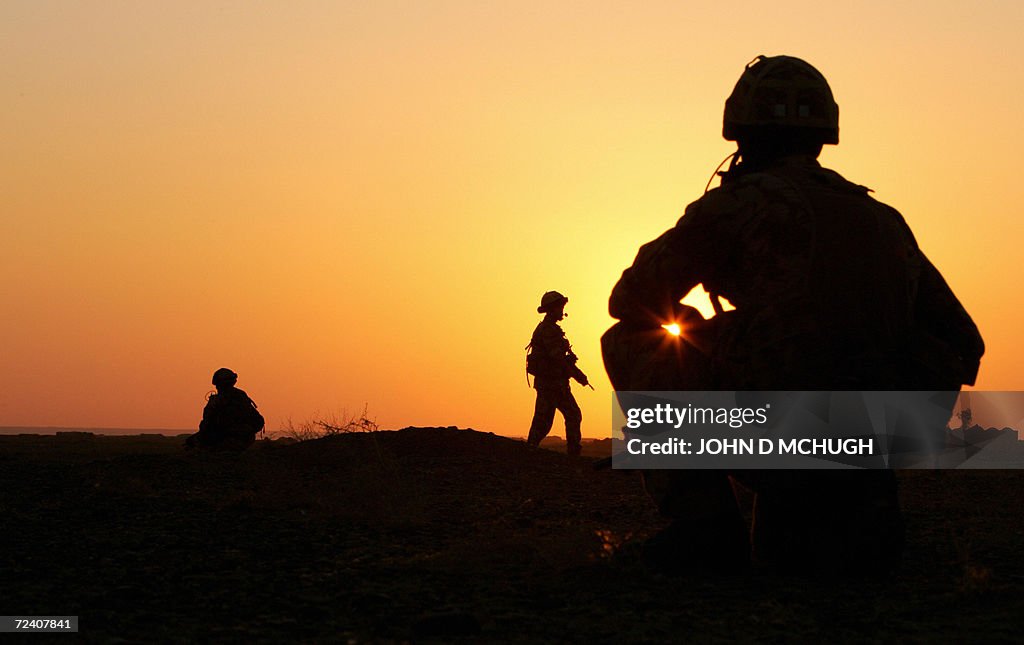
(686, 315)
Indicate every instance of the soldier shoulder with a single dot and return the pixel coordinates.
(548, 333)
(723, 211)
(743, 192)
(548, 327)
(784, 180)
(242, 396)
(232, 397)
(833, 179)
(839, 183)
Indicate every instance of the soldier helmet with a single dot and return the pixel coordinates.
(551, 300)
(781, 92)
(224, 376)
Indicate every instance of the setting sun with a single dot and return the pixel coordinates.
(673, 329)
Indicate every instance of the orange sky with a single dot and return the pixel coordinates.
(362, 202)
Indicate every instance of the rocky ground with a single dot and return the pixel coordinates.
(444, 534)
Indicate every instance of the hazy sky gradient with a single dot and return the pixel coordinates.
(361, 203)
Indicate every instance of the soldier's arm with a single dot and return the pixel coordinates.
(667, 268)
(258, 421)
(208, 413)
(938, 311)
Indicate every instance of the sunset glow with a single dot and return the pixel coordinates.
(281, 188)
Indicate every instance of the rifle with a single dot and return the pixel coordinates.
(575, 372)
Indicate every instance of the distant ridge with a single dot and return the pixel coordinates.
(170, 432)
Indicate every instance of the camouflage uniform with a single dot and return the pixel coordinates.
(831, 293)
(827, 282)
(552, 385)
(230, 421)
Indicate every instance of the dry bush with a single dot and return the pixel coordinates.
(318, 427)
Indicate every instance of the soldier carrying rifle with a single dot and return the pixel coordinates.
(552, 363)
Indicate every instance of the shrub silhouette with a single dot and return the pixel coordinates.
(319, 427)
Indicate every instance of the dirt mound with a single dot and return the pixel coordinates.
(439, 533)
(386, 535)
(412, 446)
(417, 475)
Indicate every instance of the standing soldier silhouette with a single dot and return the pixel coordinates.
(551, 362)
(831, 292)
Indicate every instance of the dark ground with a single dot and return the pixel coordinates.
(446, 534)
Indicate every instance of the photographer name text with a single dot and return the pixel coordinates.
(814, 447)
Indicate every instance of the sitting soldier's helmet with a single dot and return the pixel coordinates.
(224, 376)
(551, 300)
(781, 92)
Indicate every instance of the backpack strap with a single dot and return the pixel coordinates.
(526, 367)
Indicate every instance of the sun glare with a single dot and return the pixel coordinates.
(673, 329)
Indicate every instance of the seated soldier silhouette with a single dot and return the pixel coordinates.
(831, 293)
(230, 418)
